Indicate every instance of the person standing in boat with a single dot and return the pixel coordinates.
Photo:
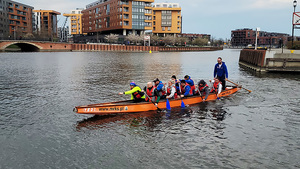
(216, 87)
(221, 72)
(185, 89)
(136, 93)
(189, 81)
(171, 90)
(152, 92)
(203, 89)
(160, 87)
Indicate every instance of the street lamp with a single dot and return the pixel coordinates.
(294, 4)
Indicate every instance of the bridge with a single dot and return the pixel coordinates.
(35, 46)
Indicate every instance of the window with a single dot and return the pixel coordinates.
(169, 28)
(163, 28)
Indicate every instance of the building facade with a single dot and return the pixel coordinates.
(46, 23)
(75, 27)
(15, 19)
(245, 37)
(117, 16)
(167, 19)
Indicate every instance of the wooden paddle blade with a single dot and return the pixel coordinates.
(168, 105)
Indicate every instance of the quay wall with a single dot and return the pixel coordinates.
(269, 61)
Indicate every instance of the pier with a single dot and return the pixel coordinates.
(275, 60)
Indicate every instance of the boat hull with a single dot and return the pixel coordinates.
(131, 107)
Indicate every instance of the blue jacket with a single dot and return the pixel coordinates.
(187, 90)
(221, 71)
(190, 81)
(160, 86)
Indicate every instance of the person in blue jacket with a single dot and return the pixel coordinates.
(188, 80)
(160, 87)
(185, 89)
(221, 72)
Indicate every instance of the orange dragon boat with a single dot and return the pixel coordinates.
(129, 106)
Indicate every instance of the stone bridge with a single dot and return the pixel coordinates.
(35, 46)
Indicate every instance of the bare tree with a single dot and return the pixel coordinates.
(169, 40)
(134, 38)
(200, 41)
(112, 38)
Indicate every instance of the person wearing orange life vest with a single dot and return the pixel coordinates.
(136, 93)
(160, 87)
(203, 88)
(171, 90)
(152, 92)
(185, 89)
(188, 80)
(216, 87)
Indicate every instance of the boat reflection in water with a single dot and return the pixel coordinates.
(151, 119)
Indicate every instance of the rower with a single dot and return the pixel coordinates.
(188, 80)
(185, 89)
(176, 83)
(171, 90)
(160, 87)
(216, 87)
(136, 93)
(203, 89)
(152, 92)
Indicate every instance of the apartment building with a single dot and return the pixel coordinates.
(75, 27)
(15, 19)
(167, 19)
(245, 37)
(46, 22)
(117, 16)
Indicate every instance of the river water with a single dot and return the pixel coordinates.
(39, 130)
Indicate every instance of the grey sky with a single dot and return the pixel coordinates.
(215, 17)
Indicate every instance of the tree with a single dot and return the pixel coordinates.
(181, 41)
(169, 40)
(134, 38)
(154, 40)
(112, 38)
(200, 41)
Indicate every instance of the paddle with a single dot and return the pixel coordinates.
(182, 104)
(168, 105)
(152, 102)
(239, 85)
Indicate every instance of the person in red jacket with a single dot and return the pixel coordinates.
(185, 89)
(217, 87)
(203, 89)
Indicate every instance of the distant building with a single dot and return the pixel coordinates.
(117, 16)
(245, 37)
(15, 19)
(192, 36)
(75, 16)
(167, 19)
(46, 22)
(63, 34)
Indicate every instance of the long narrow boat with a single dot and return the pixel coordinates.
(129, 106)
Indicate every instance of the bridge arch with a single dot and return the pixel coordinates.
(25, 46)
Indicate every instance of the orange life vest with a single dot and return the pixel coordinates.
(183, 89)
(169, 92)
(215, 87)
(151, 94)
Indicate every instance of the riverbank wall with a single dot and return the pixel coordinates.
(270, 60)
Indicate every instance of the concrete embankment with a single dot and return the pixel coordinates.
(270, 60)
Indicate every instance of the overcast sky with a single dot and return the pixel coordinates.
(215, 17)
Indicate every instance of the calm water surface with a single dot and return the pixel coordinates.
(39, 130)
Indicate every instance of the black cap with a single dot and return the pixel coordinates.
(186, 76)
(155, 80)
(174, 77)
(182, 81)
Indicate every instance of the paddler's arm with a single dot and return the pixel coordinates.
(158, 96)
(206, 93)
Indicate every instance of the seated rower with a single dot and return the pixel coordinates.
(216, 87)
(171, 90)
(185, 89)
(160, 88)
(203, 89)
(152, 92)
(188, 80)
(136, 93)
(176, 83)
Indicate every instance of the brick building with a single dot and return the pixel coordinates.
(245, 37)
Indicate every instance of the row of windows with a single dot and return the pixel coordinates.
(168, 28)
